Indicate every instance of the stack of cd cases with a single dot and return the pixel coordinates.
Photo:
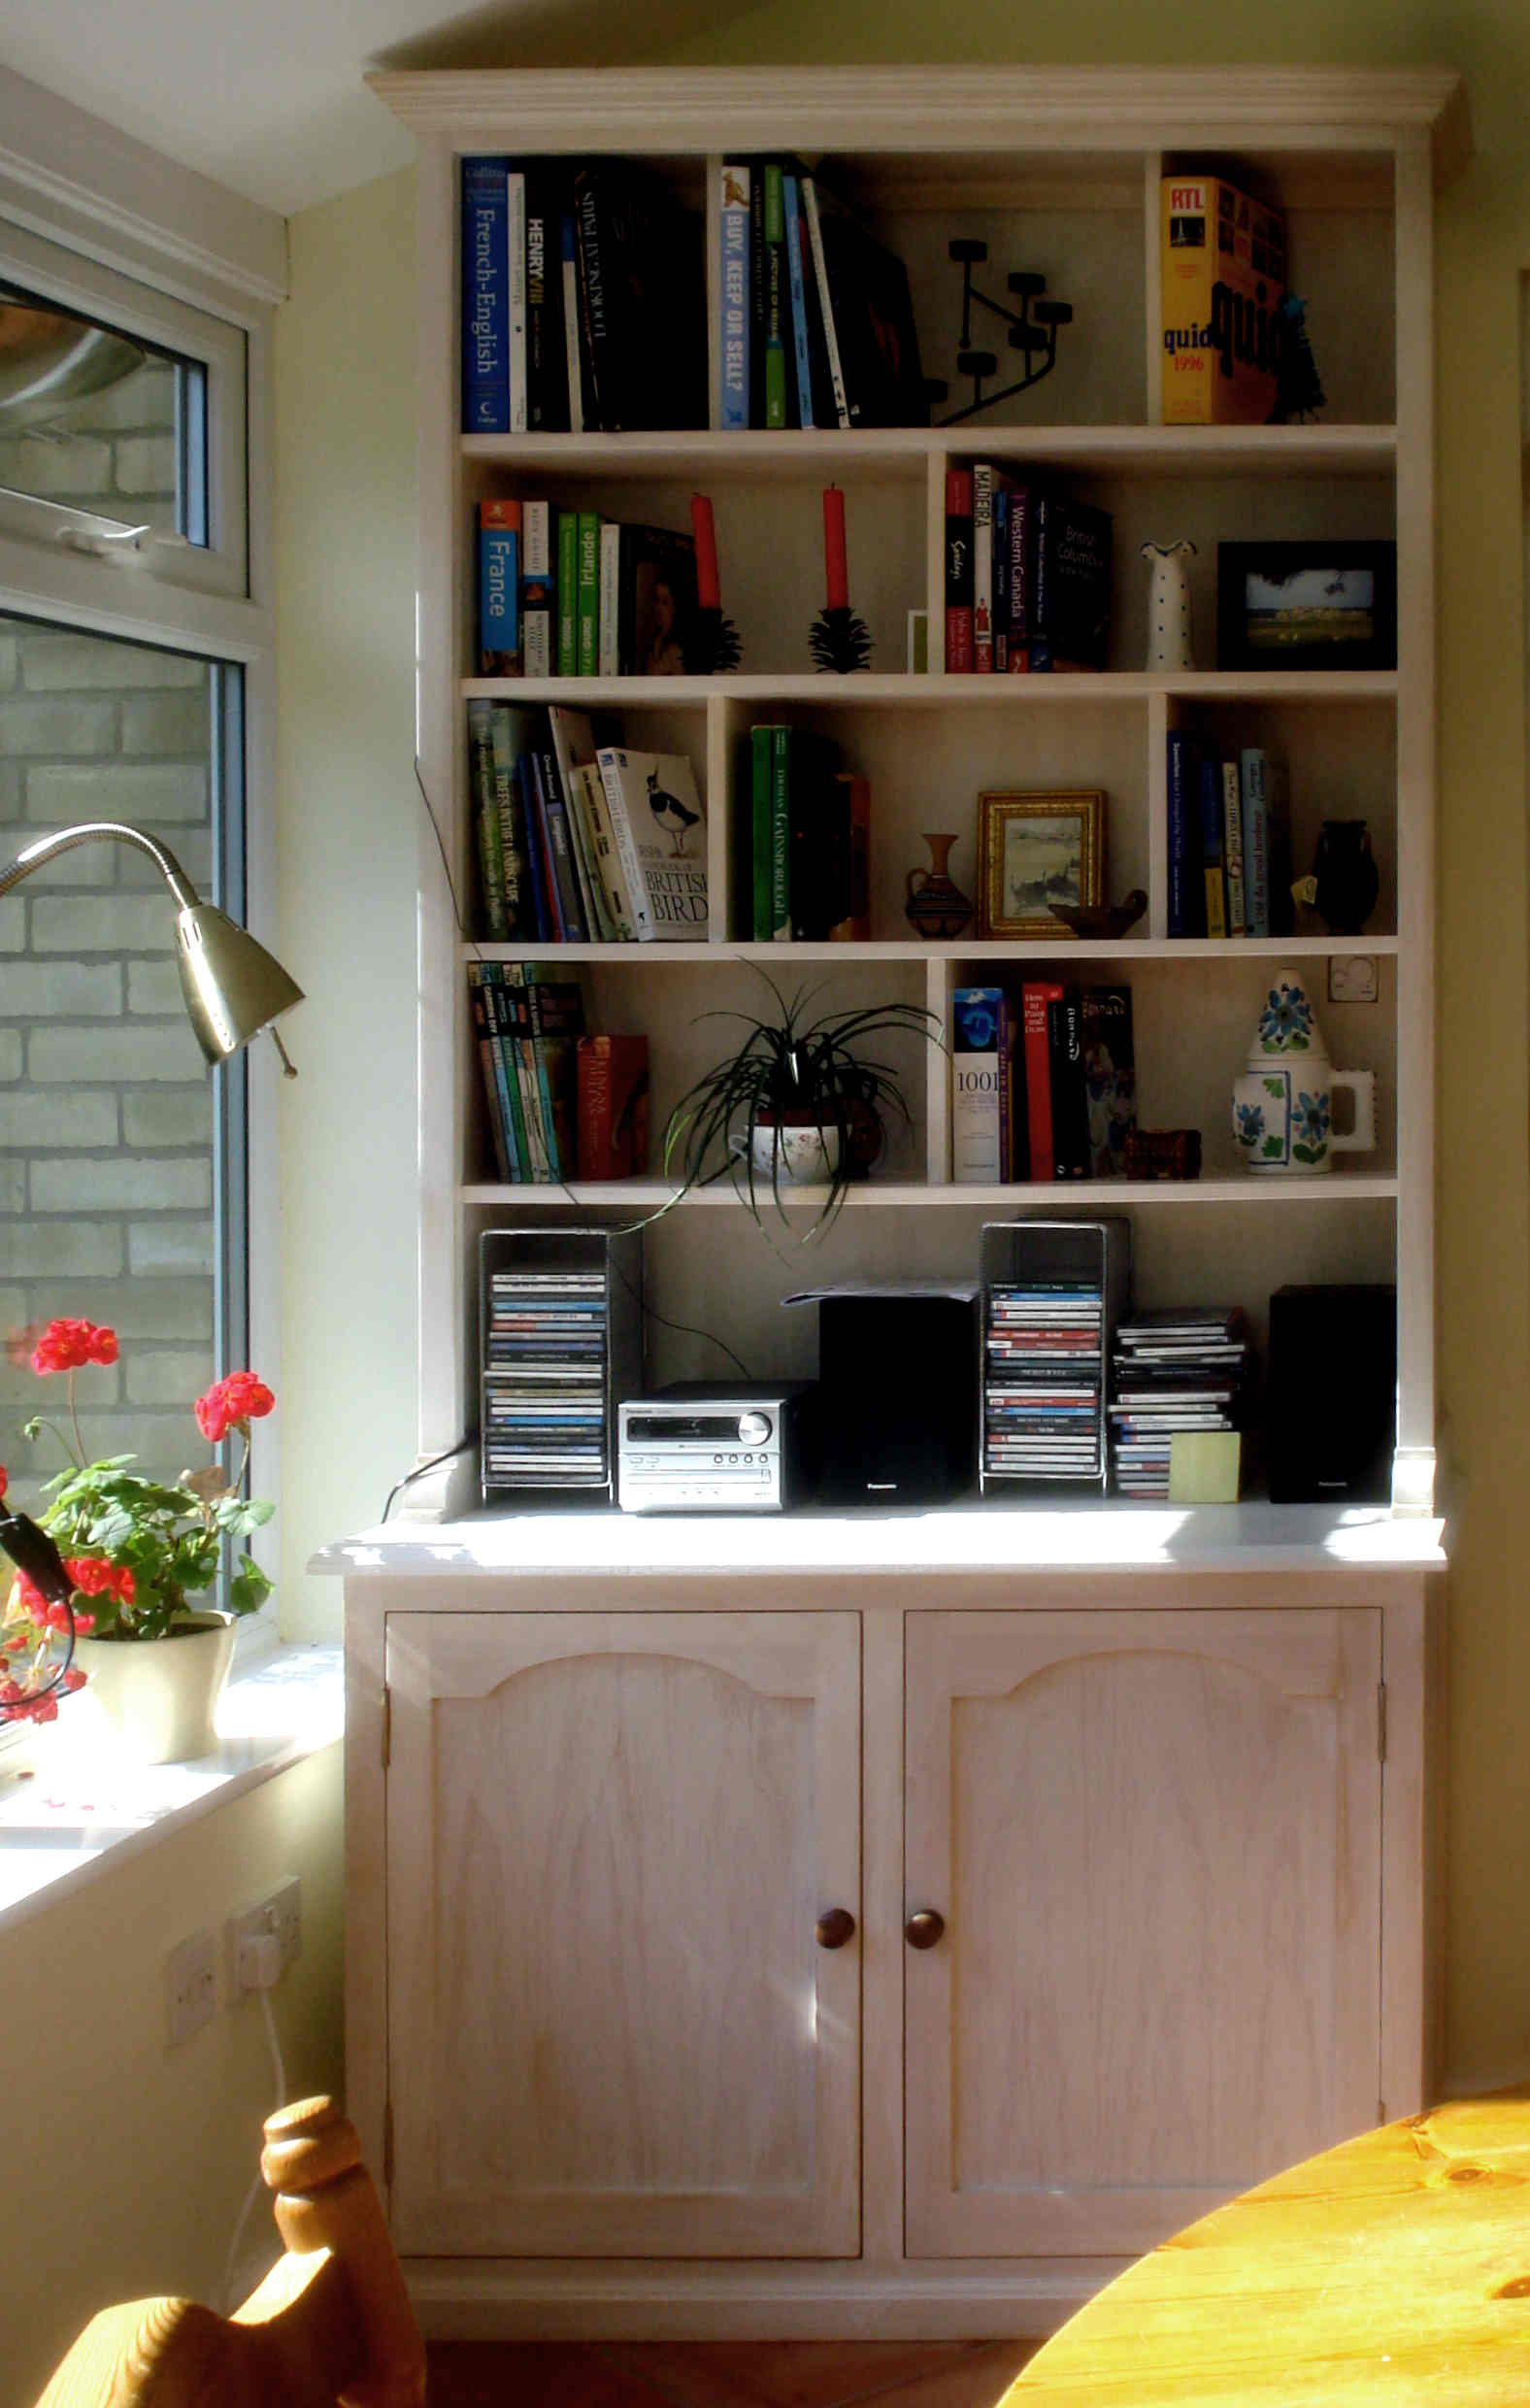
(1052, 1291)
(560, 1316)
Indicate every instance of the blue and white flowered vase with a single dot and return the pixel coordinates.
(1283, 1105)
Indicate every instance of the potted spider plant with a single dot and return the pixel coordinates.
(796, 1102)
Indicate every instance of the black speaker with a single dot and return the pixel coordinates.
(1332, 1395)
(898, 1397)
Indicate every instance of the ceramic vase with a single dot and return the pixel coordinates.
(1345, 881)
(936, 906)
(797, 1153)
(1283, 1105)
(161, 1696)
(1169, 604)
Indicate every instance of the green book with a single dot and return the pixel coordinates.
(781, 836)
(586, 600)
(568, 593)
(762, 925)
(482, 786)
(776, 302)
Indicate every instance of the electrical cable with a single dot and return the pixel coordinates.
(279, 2070)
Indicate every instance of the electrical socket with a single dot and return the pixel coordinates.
(279, 1911)
(190, 1987)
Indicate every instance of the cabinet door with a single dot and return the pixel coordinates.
(611, 2030)
(1155, 1840)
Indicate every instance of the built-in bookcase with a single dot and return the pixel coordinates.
(1059, 173)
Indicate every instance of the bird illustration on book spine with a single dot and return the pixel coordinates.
(671, 813)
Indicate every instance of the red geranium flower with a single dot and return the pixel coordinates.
(68, 1345)
(5, 1480)
(232, 1403)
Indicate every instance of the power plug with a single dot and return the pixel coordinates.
(260, 1960)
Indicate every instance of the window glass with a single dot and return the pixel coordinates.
(121, 1177)
(100, 419)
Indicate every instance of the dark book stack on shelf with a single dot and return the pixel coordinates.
(1180, 1374)
(816, 325)
(561, 1345)
(1053, 1292)
(809, 854)
(1043, 1082)
(584, 299)
(571, 594)
(1229, 841)
(1028, 571)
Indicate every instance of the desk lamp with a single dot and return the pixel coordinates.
(232, 988)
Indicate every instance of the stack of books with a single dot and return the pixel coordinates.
(527, 1023)
(814, 324)
(1027, 575)
(545, 1379)
(1229, 841)
(1043, 1082)
(1180, 1372)
(578, 842)
(1044, 1380)
(810, 869)
(570, 593)
(584, 299)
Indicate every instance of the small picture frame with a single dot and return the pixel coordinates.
(1310, 605)
(1035, 850)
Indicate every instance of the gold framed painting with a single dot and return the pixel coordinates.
(1035, 850)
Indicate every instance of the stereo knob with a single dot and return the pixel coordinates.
(753, 1428)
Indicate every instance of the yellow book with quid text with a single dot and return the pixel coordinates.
(1223, 282)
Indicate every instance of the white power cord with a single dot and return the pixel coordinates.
(260, 1967)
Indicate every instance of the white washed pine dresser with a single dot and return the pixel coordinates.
(889, 1923)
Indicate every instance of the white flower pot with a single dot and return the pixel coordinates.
(160, 1696)
(799, 1155)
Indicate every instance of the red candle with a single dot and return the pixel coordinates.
(835, 567)
(708, 593)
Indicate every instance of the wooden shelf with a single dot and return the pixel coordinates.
(1118, 953)
(812, 454)
(1340, 1187)
(878, 691)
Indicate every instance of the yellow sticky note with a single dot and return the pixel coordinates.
(1202, 1467)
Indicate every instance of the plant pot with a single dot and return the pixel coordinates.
(796, 1151)
(160, 1696)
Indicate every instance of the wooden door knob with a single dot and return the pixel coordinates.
(924, 1928)
(835, 1928)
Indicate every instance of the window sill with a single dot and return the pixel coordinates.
(73, 1806)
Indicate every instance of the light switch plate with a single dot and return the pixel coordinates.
(1353, 978)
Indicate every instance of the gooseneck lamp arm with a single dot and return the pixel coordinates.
(232, 988)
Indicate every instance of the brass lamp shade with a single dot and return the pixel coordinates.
(232, 986)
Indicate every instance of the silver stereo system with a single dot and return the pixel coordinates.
(698, 1447)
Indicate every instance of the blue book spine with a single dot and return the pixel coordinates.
(1184, 855)
(1253, 780)
(1211, 817)
(486, 296)
(732, 286)
(499, 602)
(561, 842)
(526, 807)
(791, 203)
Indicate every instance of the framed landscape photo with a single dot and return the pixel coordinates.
(1035, 850)
(1311, 605)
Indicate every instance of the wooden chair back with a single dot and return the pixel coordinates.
(332, 2322)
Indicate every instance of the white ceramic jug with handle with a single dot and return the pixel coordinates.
(1169, 604)
(1283, 1105)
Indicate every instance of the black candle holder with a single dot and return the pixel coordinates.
(710, 644)
(839, 640)
(1032, 329)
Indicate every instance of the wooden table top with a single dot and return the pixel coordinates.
(1394, 2268)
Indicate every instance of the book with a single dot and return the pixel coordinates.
(537, 913)
(607, 866)
(573, 346)
(1014, 1143)
(540, 844)
(643, 298)
(777, 297)
(511, 730)
(495, 1110)
(761, 815)
(573, 746)
(546, 368)
(612, 1085)
(608, 580)
(799, 268)
(660, 833)
(1187, 893)
(573, 926)
(781, 836)
(488, 839)
(1233, 851)
(1018, 649)
(733, 296)
(1110, 1077)
(976, 1077)
(815, 897)
(820, 277)
(486, 296)
(586, 594)
(850, 890)
(1070, 1125)
(1037, 997)
(499, 528)
(566, 593)
(1209, 769)
(555, 1011)
(1069, 624)
(1253, 787)
(523, 1121)
(515, 328)
(1000, 575)
(1223, 282)
(655, 600)
(756, 290)
(959, 586)
(874, 324)
(537, 634)
(983, 566)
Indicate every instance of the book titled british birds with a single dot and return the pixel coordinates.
(660, 833)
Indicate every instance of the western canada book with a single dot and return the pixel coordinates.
(660, 833)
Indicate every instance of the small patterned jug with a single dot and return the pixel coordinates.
(1283, 1105)
(936, 906)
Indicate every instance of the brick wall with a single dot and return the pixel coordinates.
(106, 1106)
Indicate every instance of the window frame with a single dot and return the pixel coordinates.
(102, 224)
